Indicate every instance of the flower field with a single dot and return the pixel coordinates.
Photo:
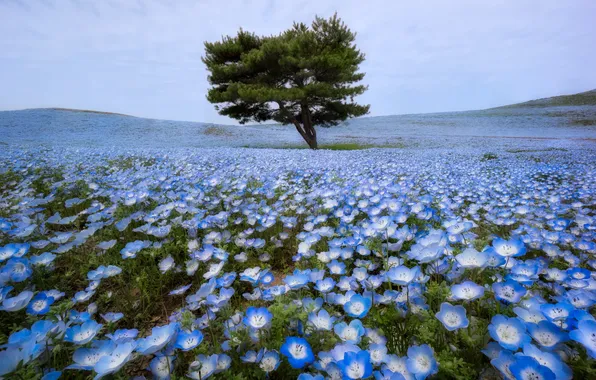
(230, 263)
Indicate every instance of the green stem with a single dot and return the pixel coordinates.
(210, 328)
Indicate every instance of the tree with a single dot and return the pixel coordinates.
(305, 76)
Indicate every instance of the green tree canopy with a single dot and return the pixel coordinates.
(306, 76)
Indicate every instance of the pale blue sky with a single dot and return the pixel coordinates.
(143, 57)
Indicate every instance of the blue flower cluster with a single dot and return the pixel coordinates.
(287, 264)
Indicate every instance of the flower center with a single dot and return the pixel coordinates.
(298, 351)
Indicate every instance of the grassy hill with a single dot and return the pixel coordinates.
(85, 111)
(540, 118)
(587, 98)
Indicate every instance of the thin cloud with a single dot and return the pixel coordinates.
(143, 57)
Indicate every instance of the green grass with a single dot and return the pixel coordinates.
(88, 111)
(536, 150)
(489, 156)
(333, 146)
(583, 122)
(580, 99)
(216, 131)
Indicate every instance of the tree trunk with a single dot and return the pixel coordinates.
(308, 134)
(306, 129)
(304, 125)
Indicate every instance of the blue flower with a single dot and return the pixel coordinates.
(112, 317)
(11, 357)
(191, 267)
(579, 298)
(225, 294)
(297, 280)
(4, 291)
(578, 273)
(8, 251)
(120, 226)
(494, 259)
(402, 275)
(421, 361)
(18, 338)
(492, 350)
(269, 361)
(298, 352)
(40, 304)
(387, 374)
(503, 362)
(530, 315)
(266, 277)
(187, 341)
(509, 248)
(347, 283)
(79, 317)
(161, 367)
(546, 333)
(325, 285)
(214, 270)
(528, 368)
(351, 333)
(42, 328)
(96, 274)
(309, 304)
(467, 291)
(308, 376)
(252, 356)
(321, 321)
(338, 352)
(44, 259)
(509, 291)
(255, 295)
(54, 293)
(132, 248)
(257, 318)
(358, 306)
(123, 335)
(452, 317)
(586, 336)
(206, 289)
(356, 365)
(180, 290)
(105, 245)
(337, 267)
(53, 375)
(471, 258)
(223, 363)
(251, 275)
(360, 274)
(160, 336)
(14, 250)
(509, 332)
(203, 367)
(525, 272)
(166, 264)
(550, 360)
(82, 334)
(378, 353)
(17, 268)
(557, 312)
(112, 362)
(83, 296)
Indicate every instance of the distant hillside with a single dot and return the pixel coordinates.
(84, 111)
(587, 98)
(72, 127)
